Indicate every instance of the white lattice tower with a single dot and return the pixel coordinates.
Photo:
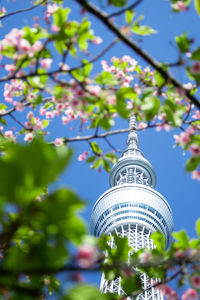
(132, 208)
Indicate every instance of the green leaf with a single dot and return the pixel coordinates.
(150, 106)
(129, 16)
(196, 54)
(106, 165)
(97, 163)
(91, 159)
(192, 163)
(84, 292)
(95, 147)
(183, 42)
(131, 284)
(21, 169)
(159, 241)
(160, 81)
(121, 106)
(60, 17)
(197, 6)
(143, 29)
(118, 3)
(182, 239)
(106, 78)
(174, 112)
(198, 227)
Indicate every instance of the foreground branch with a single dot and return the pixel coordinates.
(104, 18)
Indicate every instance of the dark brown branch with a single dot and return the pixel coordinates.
(21, 10)
(17, 121)
(132, 6)
(111, 145)
(103, 135)
(103, 17)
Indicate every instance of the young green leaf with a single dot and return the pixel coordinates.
(197, 6)
(198, 227)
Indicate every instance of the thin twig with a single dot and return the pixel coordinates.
(17, 121)
(21, 10)
(111, 145)
(132, 6)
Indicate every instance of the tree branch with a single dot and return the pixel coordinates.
(103, 17)
(132, 6)
(104, 134)
(21, 10)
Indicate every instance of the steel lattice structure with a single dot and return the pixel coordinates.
(132, 208)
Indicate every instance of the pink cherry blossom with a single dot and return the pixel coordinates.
(55, 28)
(180, 5)
(9, 134)
(28, 124)
(65, 120)
(190, 294)
(196, 175)
(166, 290)
(98, 40)
(194, 149)
(2, 10)
(195, 279)
(164, 126)
(58, 141)
(38, 125)
(83, 156)
(196, 115)
(37, 46)
(59, 106)
(42, 111)
(137, 89)
(94, 89)
(29, 137)
(29, 115)
(51, 9)
(46, 63)
(19, 106)
(10, 68)
(49, 114)
(24, 46)
(188, 86)
(184, 138)
(64, 67)
(111, 99)
(195, 69)
(86, 256)
(145, 256)
(142, 125)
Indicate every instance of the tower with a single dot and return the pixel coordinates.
(132, 208)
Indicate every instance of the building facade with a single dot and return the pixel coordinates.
(132, 208)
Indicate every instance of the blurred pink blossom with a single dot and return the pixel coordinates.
(190, 294)
(196, 175)
(29, 137)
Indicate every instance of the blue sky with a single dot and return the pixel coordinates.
(173, 182)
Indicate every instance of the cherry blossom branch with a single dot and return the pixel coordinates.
(17, 121)
(132, 6)
(111, 145)
(22, 10)
(103, 17)
(104, 134)
(82, 65)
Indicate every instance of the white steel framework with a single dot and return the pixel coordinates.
(132, 208)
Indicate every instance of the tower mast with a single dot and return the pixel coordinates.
(132, 208)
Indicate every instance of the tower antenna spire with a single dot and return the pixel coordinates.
(132, 141)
